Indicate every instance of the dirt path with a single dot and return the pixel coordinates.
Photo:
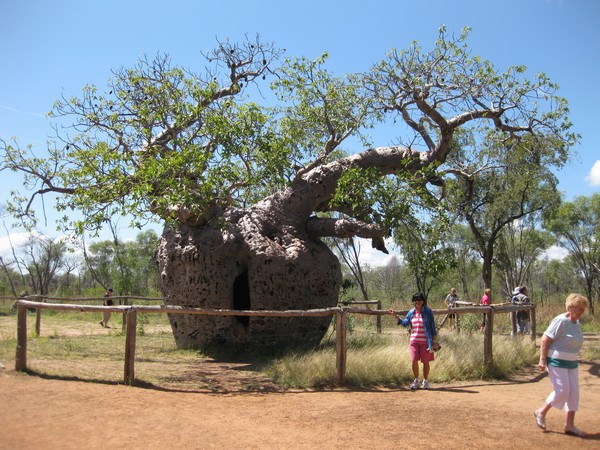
(38, 413)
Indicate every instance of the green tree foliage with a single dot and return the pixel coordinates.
(159, 141)
(466, 260)
(423, 248)
(520, 245)
(127, 267)
(576, 225)
(497, 183)
(162, 141)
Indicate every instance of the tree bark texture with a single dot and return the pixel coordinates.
(255, 262)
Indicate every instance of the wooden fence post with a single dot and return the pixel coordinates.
(124, 319)
(488, 359)
(513, 323)
(38, 316)
(378, 317)
(341, 347)
(21, 356)
(130, 346)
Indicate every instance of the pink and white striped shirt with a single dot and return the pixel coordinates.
(417, 336)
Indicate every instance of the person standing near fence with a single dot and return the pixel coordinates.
(486, 300)
(522, 316)
(451, 300)
(107, 302)
(423, 338)
(559, 350)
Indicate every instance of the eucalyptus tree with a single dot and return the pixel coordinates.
(98, 258)
(389, 281)
(128, 267)
(520, 246)
(555, 278)
(576, 225)
(496, 182)
(40, 260)
(349, 251)
(424, 251)
(10, 279)
(241, 187)
(464, 253)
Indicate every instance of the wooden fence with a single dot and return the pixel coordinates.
(124, 300)
(341, 313)
(366, 303)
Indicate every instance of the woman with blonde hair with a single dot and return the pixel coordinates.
(559, 349)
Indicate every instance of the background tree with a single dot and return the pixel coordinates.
(520, 245)
(499, 182)
(240, 186)
(40, 262)
(423, 249)
(127, 267)
(576, 226)
(349, 251)
(98, 262)
(460, 240)
(390, 282)
(9, 282)
(556, 279)
(67, 276)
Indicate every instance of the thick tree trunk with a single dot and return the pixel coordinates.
(255, 262)
(486, 273)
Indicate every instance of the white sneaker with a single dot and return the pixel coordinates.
(415, 384)
(425, 384)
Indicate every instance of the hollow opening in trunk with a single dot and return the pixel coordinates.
(241, 297)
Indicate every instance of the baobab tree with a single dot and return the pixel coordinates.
(248, 191)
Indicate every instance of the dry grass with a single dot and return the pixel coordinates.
(385, 361)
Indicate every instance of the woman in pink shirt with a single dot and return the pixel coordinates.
(486, 300)
(423, 337)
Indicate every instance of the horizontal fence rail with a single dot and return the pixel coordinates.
(130, 320)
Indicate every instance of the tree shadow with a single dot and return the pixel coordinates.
(594, 367)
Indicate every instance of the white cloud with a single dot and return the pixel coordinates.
(555, 252)
(593, 178)
(15, 239)
(375, 258)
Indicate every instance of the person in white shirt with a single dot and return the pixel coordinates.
(559, 349)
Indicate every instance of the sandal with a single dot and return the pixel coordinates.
(575, 432)
(540, 420)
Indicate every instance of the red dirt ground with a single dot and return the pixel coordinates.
(37, 413)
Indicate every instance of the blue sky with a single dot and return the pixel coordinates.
(51, 48)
